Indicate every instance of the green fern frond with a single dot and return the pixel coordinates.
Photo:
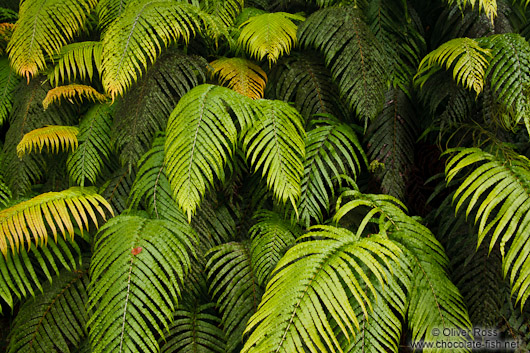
(8, 15)
(332, 150)
(269, 35)
(241, 75)
(86, 162)
(55, 319)
(465, 56)
(77, 60)
(8, 84)
(110, 10)
(271, 237)
(136, 272)
(6, 32)
(54, 137)
(226, 10)
(313, 279)
(136, 38)
(43, 27)
(488, 6)
(117, 188)
(215, 224)
(354, 55)
(71, 93)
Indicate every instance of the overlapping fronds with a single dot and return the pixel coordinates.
(355, 56)
(275, 143)
(316, 277)
(271, 236)
(8, 15)
(55, 138)
(145, 109)
(136, 273)
(332, 151)
(498, 189)
(86, 162)
(8, 83)
(77, 60)
(464, 56)
(391, 144)
(71, 93)
(241, 75)
(269, 35)
(234, 286)
(136, 38)
(117, 188)
(226, 10)
(55, 319)
(200, 138)
(31, 220)
(109, 10)
(6, 31)
(43, 27)
(215, 224)
(488, 6)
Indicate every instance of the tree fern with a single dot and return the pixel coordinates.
(135, 273)
(54, 138)
(489, 6)
(8, 84)
(226, 10)
(109, 10)
(241, 75)
(77, 60)
(71, 92)
(43, 27)
(117, 188)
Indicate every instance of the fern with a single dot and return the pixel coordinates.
(8, 84)
(55, 138)
(110, 10)
(71, 92)
(241, 75)
(6, 31)
(54, 320)
(117, 188)
(489, 6)
(226, 10)
(43, 27)
(135, 274)
(77, 60)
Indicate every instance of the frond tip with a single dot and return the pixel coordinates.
(54, 137)
(72, 91)
(241, 75)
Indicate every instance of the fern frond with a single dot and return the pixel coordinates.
(200, 138)
(8, 15)
(352, 52)
(43, 27)
(86, 162)
(215, 224)
(71, 92)
(489, 6)
(8, 84)
(110, 10)
(6, 31)
(269, 35)
(55, 319)
(332, 150)
(136, 271)
(77, 60)
(226, 10)
(465, 56)
(24, 221)
(241, 75)
(54, 137)
(313, 279)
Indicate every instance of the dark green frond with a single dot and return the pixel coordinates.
(8, 84)
(117, 188)
(215, 223)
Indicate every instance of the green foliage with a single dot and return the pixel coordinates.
(109, 10)
(241, 75)
(8, 84)
(225, 10)
(77, 60)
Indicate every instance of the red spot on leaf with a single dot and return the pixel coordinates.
(136, 251)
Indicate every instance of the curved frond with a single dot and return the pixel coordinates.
(226, 10)
(77, 60)
(109, 10)
(241, 75)
(86, 162)
(200, 138)
(8, 84)
(117, 188)
(55, 319)
(488, 6)
(54, 137)
(43, 27)
(316, 277)
(275, 143)
(354, 55)
(30, 220)
(71, 92)
(136, 273)
(467, 59)
(269, 35)
(6, 31)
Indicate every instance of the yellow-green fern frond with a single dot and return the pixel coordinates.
(225, 10)
(6, 31)
(269, 35)
(488, 6)
(32, 220)
(43, 27)
(467, 58)
(77, 60)
(70, 92)
(53, 137)
(241, 75)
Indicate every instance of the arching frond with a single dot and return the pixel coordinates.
(200, 137)
(215, 224)
(109, 10)
(8, 84)
(234, 286)
(354, 55)
(6, 31)
(136, 38)
(55, 319)
(117, 188)
(332, 150)
(8, 15)
(275, 143)
(271, 237)
(30, 220)
(77, 60)
(316, 277)
(136, 272)
(488, 6)
(269, 35)
(241, 75)
(72, 92)
(43, 27)
(467, 59)
(86, 162)
(226, 10)
(498, 189)
(54, 137)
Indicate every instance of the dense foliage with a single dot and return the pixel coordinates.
(263, 176)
